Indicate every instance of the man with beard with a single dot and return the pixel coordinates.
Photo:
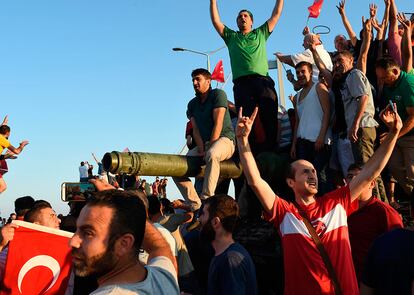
(399, 87)
(305, 269)
(231, 270)
(252, 83)
(213, 134)
(110, 231)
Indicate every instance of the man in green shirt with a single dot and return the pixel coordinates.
(212, 133)
(252, 84)
(399, 88)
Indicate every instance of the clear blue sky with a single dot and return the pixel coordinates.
(94, 76)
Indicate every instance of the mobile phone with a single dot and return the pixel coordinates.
(289, 72)
(392, 106)
(76, 191)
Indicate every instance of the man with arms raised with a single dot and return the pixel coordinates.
(252, 84)
(110, 231)
(305, 271)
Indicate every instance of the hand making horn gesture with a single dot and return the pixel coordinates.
(244, 124)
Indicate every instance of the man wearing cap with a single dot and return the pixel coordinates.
(252, 84)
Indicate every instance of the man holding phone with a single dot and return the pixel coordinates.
(399, 88)
(327, 215)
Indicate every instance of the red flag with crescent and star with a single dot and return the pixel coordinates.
(38, 261)
(218, 73)
(315, 9)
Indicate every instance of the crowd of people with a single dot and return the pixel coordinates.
(348, 146)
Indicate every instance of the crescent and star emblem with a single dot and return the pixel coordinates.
(40, 260)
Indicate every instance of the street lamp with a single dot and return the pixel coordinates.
(207, 54)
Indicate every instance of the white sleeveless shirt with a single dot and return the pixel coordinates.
(310, 115)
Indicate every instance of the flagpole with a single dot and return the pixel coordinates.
(307, 21)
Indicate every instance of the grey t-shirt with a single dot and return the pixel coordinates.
(161, 279)
(357, 85)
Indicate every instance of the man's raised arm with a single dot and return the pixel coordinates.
(215, 18)
(347, 24)
(380, 158)
(260, 187)
(276, 13)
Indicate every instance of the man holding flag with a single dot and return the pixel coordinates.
(37, 253)
(315, 9)
(252, 84)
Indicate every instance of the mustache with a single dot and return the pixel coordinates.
(76, 253)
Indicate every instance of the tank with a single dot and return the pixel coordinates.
(152, 164)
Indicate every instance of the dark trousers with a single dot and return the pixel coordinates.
(363, 149)
(255, 90)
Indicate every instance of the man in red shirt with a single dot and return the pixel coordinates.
(372, 219)
(305, 271)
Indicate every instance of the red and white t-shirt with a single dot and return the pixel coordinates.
(305, 271)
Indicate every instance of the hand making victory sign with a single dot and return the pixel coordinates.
(244, 124)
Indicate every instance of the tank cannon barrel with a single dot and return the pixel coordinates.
(152, 164)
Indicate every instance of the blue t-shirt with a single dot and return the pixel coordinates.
(389, 267)
(232, 272)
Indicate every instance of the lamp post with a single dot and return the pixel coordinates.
(207, 54)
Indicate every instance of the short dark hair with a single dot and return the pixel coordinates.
(154, 205)
(345, 53)
(248, 11)
(4, 129)
(386, 63)
(290, 172)
(355, 166)
(129, 214)
(225, 208)
(202, 72)
(33, 214)
(304, 63)
(23, 204)
(167, 206)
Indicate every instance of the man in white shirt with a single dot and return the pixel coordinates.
(110, 231)
(83, 172)
(307, 56)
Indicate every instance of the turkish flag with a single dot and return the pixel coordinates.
(38, 262)
(315, 9)
(218, 73)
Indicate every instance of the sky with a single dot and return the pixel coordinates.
(78, 77)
